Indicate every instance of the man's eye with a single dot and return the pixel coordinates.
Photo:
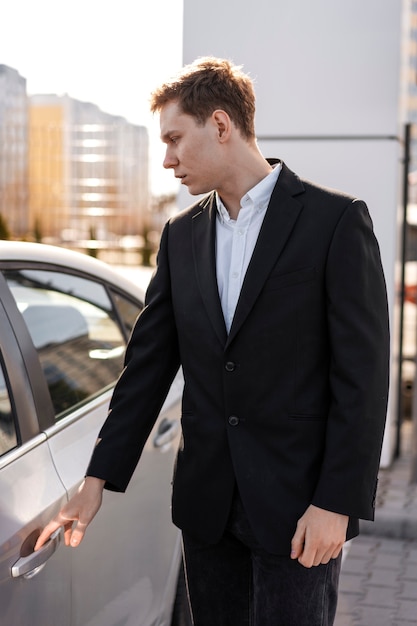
(174, 139)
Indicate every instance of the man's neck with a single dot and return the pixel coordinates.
(245, 180)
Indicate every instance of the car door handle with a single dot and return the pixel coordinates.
(29, 566)
(167, 431)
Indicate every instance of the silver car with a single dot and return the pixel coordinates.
(64, 322)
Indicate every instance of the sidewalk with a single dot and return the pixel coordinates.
(378, 584)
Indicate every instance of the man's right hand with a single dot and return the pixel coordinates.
(76, 515)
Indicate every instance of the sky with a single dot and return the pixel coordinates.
(112, 53)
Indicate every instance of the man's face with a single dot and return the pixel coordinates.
(192, 151)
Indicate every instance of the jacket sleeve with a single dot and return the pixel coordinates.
(151, 362)
(359, 370)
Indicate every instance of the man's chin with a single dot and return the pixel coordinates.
(195, 191)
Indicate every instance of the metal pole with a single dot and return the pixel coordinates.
(406, 167)
(413, 467)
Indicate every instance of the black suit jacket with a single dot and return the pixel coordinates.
(291, 404)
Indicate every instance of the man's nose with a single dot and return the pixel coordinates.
(170, 160)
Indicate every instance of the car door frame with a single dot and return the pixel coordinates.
(24, 503)
(43, 416)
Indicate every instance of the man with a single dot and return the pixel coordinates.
(269, 293)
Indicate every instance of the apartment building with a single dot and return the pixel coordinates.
(13, 150)
(88, 171)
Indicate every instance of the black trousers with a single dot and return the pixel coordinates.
(237, 583)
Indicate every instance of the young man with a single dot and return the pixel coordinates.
(269, 293)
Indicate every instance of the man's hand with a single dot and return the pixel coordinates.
(81, 509)
(319, 536)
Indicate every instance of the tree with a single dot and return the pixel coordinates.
(37, 230)
(4, 228)
(92, 248)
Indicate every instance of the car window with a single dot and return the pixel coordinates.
(73, 327)
(128, 311)
(8, 434)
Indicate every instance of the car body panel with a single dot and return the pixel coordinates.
(30, 484)
(117, 581)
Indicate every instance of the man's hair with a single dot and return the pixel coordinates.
(208, 84)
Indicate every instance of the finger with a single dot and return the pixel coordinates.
(68, 533)
(307, 558)
(332, 552)
(297, 548)
(308, 555)
(322, 558)
(324, 555)
(46, 533)
(297, 543)
(336, 552)
(77, 534)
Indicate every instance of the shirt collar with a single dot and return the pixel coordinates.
(256, 198)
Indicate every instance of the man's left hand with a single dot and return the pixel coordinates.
(319, 536)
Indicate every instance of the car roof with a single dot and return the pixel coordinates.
(57, 256)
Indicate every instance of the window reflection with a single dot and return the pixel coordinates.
(74, 329)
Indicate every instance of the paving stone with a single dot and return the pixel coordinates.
(390, 546)
(410, 572)
(362, 546)
(345, 620)
(348, 604)
(409, 592)
(407, 610)
(377, 616)
(412, 555)
(384, 577)
(380, 597)
(388, 561)
(354, 565)
(348, 611)
(352, 583)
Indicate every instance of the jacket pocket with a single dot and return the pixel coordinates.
(304, 417)
(279, 281)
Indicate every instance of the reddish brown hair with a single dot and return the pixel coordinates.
(208, 84)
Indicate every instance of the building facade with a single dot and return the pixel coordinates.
(13, 151)
(88, 171)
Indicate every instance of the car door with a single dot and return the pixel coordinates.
(126, 569)
(33, 587)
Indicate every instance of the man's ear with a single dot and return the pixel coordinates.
(223, 124)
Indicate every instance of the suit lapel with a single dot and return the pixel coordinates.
(280, 218)
(204, 244)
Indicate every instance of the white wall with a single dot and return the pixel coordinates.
(327, 78)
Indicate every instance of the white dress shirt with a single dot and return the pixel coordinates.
(236, 239)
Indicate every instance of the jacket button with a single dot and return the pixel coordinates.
(233, 420)
(230, 366)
